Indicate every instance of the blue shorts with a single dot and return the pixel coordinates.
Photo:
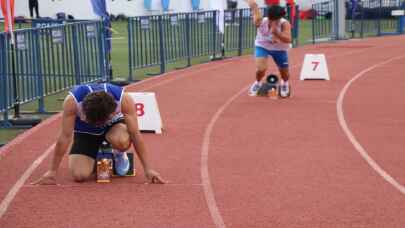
(279, 57)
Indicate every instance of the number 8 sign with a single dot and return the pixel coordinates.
(148, 112)
(315, 67)
(140, 109)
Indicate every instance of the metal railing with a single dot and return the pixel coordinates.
(161, 39)
(49, 60)
(373, 18)
(155, 41)
(322, 21)
(363, 18)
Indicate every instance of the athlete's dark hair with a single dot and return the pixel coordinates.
(98, 106)
(275, 12)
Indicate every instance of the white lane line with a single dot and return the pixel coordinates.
(81, 185)
(206, 180)
(17, 186)
(352, 138)
(205, 176)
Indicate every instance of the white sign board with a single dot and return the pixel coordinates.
(315, 67)
(397, 13)
(148, 112)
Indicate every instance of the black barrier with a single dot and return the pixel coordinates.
(3, 80)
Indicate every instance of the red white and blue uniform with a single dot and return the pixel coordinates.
(268, 45)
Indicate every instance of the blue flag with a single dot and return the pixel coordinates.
(195, 4)
(100, 9)
(147, 4)
(165, 5)
(354, 4)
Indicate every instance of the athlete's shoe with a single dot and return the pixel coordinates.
(121, 163)
(254, 89)
(284, 90)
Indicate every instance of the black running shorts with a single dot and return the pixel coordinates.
(88, 144)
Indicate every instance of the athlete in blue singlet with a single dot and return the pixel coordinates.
(92, 114)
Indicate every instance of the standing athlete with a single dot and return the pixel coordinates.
(273, 39)
(91, 114)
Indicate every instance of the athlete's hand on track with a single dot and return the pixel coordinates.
(154, 177)
(49, 178)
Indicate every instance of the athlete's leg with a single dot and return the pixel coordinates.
(37, 10)
(81, 167)
(31, 8)
(281, 59)
(261, 67)
(261, 55)
(120, 141)
(285, 74)
(118, 137)
(83, 155)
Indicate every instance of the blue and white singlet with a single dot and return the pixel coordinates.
(80, 92)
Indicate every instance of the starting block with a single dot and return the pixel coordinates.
(270, 87)
(104, 170)
(105, 165)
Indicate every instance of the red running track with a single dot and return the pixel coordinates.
(332, 156)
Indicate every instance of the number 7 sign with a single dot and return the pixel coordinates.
(315, 67)
(316, 64)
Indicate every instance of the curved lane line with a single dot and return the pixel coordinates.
(352, 138)
(16, 187)
(205, 176)
(206, 181)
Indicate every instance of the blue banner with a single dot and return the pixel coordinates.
(353, 9)
(165, 5)
(195, 4)
(107, 33)
(147, 4)
(100, 9)
(44, 22)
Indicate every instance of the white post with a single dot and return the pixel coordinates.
(341, 19)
